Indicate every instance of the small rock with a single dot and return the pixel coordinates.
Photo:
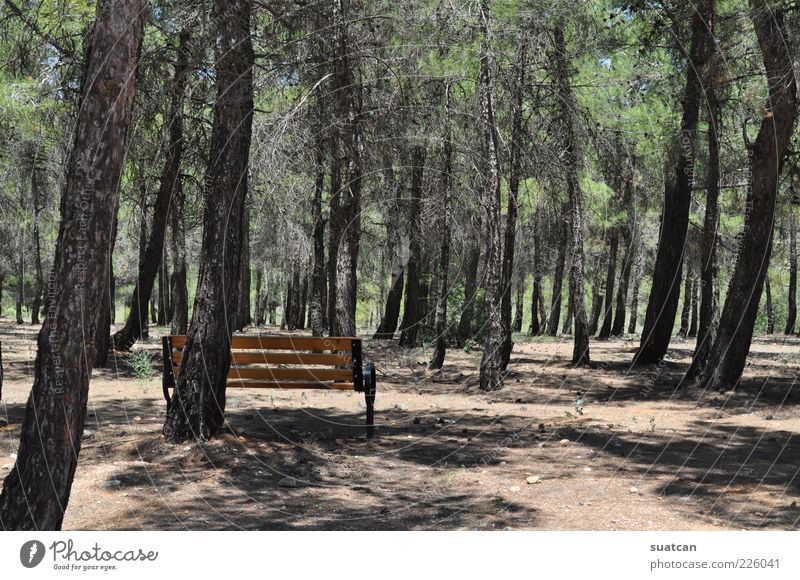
(502, 463)
(287, 482)
(533, 479)
(187, 448)
(564, 442)
(769, 418)
(12, 455)
(587, 468)
(87, 434)
(137, 419)
(400, 407)
(514, 488)
(7, 466)
(634, 489)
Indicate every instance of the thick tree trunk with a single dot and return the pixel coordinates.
(412, 313)
(792, 302)
(568, 104)
(611, 273)
(662, 305)
(170, 176)
(350, 93)
(732, 343)
(198, 401)
(492, 364)
(36, 492)
(440, 324)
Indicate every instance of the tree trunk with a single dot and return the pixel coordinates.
(334, 221)
(38, 289)
(243, 313)
(162, 290)
(21, 278)
(769, 308)
(350, 93)
(103, 336)
(179, 284)
(665, 292)
(510, 235)
(318, 301)
(519, 312)
(394, 298)
(492, 364)
(558, 280)
(568, 104)
(635, 295)
(465, 321)
(611, 273)
(537, 322)
(687, 302)
(198, 401)
(618, 328)
(732, 343)
(694, 302)
(440, 324)
(412, 314)
(55, 414)
(170, 176)
(792, 316)
(567, 327)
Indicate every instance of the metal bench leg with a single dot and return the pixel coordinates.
(369, 397)
(168, 379)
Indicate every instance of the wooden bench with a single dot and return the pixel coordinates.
(287, 362)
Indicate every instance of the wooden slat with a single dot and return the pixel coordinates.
(283, 358)
(290, 374)
(234, 384)
(281, 342)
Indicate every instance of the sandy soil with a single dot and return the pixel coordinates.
(607, 448)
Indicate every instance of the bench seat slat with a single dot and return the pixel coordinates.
(290, 374)
(234, 384)
(282, 342)
(282, 358)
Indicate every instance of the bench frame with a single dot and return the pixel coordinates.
(363, 376)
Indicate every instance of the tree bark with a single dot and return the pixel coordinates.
(440, 324)
(491, 374)
(568, 105)
(792, 306)
(537, 322)
(412, 314)
(558, 281)
(662, 305)
(465, 321)
(317, 303)
(732, 343)
(38, 289)
(687, 302)
(635, 292)
(55, 414)
(198, 401)
(170, 176)
(611, 273)
(510, 235)
(179, 284)
(394, 298)
(694, 303)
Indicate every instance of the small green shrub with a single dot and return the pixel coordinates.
(141, 363)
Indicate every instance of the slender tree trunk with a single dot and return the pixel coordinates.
(243, 313)
(732, 343)
(394, 298)
(440, 324)
(198, 401)
(179, 284)
(665, 292)
(611, 273)
(318, 300)
(465, 321)
(635, 295)
(769, 308)
(170, 176)
(537, 322)
(492, 365)
(519, 312)
(21, 278)
(55, 414)
(162, 289)
(618, 328)
(597, 306)
(567, 327)
(412, 314)
(558, 280)
(792, 316)
(694, 303)
(334, 221)
(103, 336)
(568, 104)
(687, 302)
(510, 235)
(38, 289)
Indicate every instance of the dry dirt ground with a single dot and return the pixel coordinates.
(607, 448)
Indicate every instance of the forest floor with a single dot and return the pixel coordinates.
(605, 448)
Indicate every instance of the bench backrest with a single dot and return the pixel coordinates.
(283, 362)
